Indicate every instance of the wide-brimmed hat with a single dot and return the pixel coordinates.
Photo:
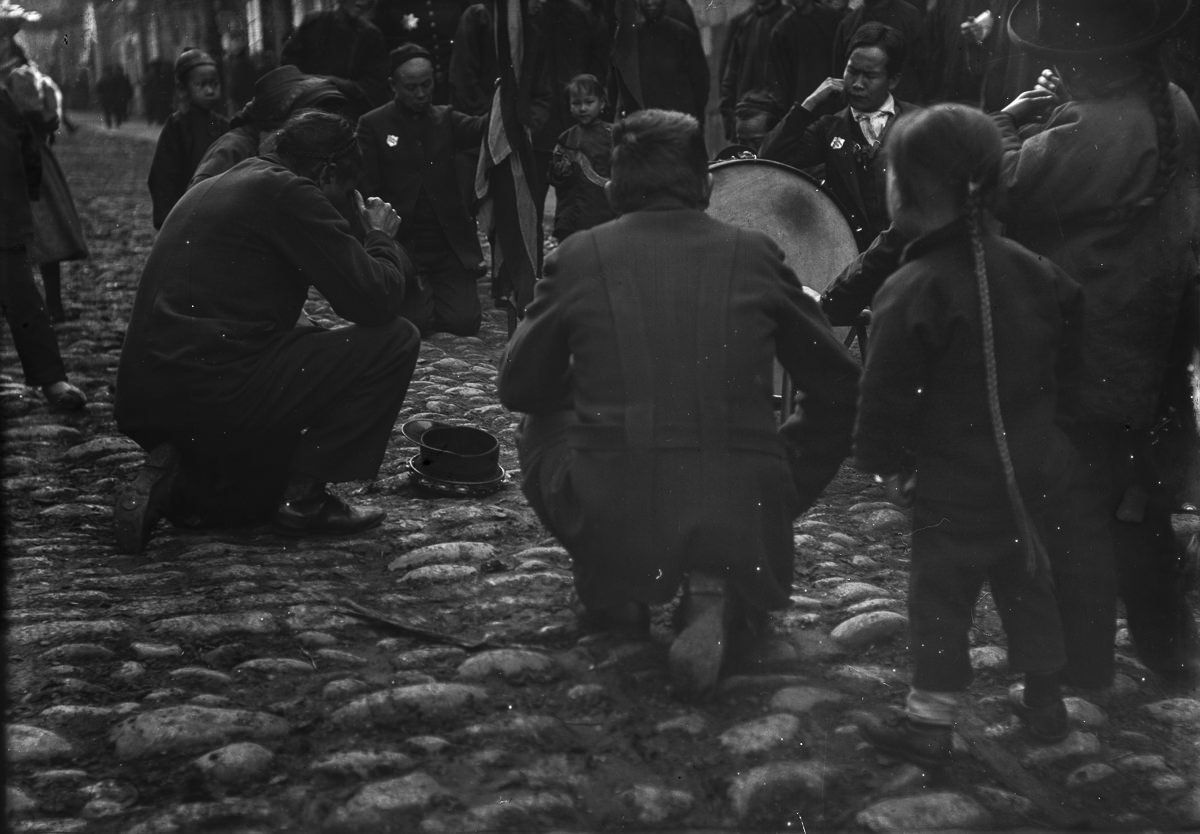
(454, 459)
(1093, 27)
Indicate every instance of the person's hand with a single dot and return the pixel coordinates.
(979, 27)
(826, 90)
(1036, 103)
(377, 215)
(899, 489)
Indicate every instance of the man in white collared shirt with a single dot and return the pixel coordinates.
(843, 148)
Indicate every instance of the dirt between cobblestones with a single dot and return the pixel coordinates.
(567, 732)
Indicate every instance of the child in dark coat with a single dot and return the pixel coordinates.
(188, 133)
(581, 163)
(974, 343)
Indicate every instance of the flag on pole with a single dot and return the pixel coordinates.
(507, 209)
(624, 51)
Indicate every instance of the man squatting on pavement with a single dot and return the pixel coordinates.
(649, 445)
(246, 408)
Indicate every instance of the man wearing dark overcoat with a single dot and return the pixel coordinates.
(672, 69)
(650, 448)
(746, 56)
(246, 408)
(409, 148)
(845, 148)
(344, 46)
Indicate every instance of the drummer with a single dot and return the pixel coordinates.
(848, 143)
(649, 447)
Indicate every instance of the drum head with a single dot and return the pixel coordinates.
(810, 228)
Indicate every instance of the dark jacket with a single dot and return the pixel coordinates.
(349, 51)
(228, 150)
(225, 284)
(801, 49)
(473, 71)
(20, 175)
(746, 57)
(660, 330)
(672, 69)
(184, 140)
(571, 44)
(407, 154)
(1088, 157)
(924, 402)
(853, 172)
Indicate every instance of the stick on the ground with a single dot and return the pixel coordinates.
(1016, 777)
(410, 630)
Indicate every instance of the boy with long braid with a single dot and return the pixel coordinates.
(965, 391)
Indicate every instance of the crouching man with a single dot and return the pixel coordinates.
(247, 410)
(649, 445)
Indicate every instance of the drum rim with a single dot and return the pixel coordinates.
(804, 175)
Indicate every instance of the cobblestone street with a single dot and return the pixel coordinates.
(240, 682)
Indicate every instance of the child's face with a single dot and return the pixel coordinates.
(585, 107)
(204, 87)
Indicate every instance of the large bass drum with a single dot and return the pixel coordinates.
(792, 208)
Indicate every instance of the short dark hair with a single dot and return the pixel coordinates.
(657, 153)
(888, 38)
(586, 83)
(312, 139)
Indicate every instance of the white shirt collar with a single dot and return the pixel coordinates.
(888, 106)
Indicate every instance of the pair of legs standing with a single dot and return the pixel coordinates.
(33, 335)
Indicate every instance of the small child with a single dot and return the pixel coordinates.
(581, 163)
(973, 340)
(188, 132)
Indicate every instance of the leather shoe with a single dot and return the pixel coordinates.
(1047, 724)
(143, 501)
(63, 396)
(322, 513)
(698, 652)
(927, 745)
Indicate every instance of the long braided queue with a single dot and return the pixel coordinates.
(1036, 557)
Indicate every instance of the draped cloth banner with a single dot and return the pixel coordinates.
(507, 209)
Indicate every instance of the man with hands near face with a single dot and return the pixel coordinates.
(247, 410)
(843, 148)
(409, 147)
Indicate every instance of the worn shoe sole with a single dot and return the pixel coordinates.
(699, 651)
(140, 504)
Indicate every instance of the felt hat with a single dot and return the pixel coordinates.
(454, 459)
(755, 102)
(319, 93)
(188, 60)
(1092, 27)
(406, 52)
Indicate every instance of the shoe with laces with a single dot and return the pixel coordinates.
(321, 513)
(927, 745)
(1047, 724)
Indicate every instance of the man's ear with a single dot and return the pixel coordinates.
(706, 190)
(608, 193)
(893, 80)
